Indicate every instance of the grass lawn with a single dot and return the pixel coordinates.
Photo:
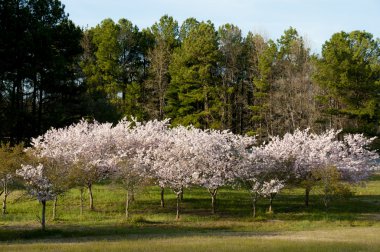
(348, 225)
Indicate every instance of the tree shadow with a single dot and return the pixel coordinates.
(125, 231)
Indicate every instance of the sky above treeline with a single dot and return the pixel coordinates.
(315, 20)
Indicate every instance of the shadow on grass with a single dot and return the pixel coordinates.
(146, 230)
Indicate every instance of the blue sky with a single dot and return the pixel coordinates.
(316, 20)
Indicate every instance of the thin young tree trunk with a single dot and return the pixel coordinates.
(43, 202)
(55, 207)
(89, 186)
(5, 204)
(162, 197)
(307, 193)
(81, 201)
(127, 205)
(270, 204)
(254, 200)
(178, 202)
(6, 193)
(325, 198)
(213, 193)
(40, 103)
(182, 193)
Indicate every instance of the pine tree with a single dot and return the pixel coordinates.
(349, 71)
(192, 97)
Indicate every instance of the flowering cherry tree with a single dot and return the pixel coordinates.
(260, 169)
(270, 189)
(38, 185)
(309, 152)
(83, 149)
(218, 154)
(171, 161)
(131, 140)
(354, 160)
(132, 152)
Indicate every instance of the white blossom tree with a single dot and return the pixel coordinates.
(171, 161)
(132, 152)
(309, 152)
(260, 168)
(84, 149)
(133, 139)
(218, 154)
(38, 185)
(270, 189)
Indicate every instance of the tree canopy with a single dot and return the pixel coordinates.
(52, 73)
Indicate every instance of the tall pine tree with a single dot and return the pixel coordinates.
(192, 96)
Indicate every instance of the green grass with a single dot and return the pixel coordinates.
(348, 225)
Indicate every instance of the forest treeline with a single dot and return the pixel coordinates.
(53, 73)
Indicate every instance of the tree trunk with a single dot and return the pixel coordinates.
(127, 205)
(182, 193)
(43, 202)
(270, 204)
(326, 198)
(307, 192)
(213, 193)
(34, 104)
(206, 109)
(178, 202)
(6, 193)
(162, 197)
(5, 204)
(55, 207)
(89, 186)
(40, 103)
(254, 200)
(81, 201)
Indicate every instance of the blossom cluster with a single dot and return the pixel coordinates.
(36, 181)
(181, 156)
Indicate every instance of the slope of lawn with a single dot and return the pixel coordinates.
(347, 225)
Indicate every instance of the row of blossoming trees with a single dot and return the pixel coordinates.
(131, 153)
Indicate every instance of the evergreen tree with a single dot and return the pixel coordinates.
(192, 96)
(165, 34)
(349, 73)
(38, 67)
(265, 56)
(114, 65)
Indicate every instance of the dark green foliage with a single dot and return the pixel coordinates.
(38, 70)
(52, 74)
(192, 96)
(114, 65)
(266, 54)
(236, 86)
(349, 72)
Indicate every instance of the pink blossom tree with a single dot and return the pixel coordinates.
(38, 185)
(217, 156)
(171, 161)
(270, 189)
(84, 149)
(131, 139)
(261, 168)
(309, 152)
